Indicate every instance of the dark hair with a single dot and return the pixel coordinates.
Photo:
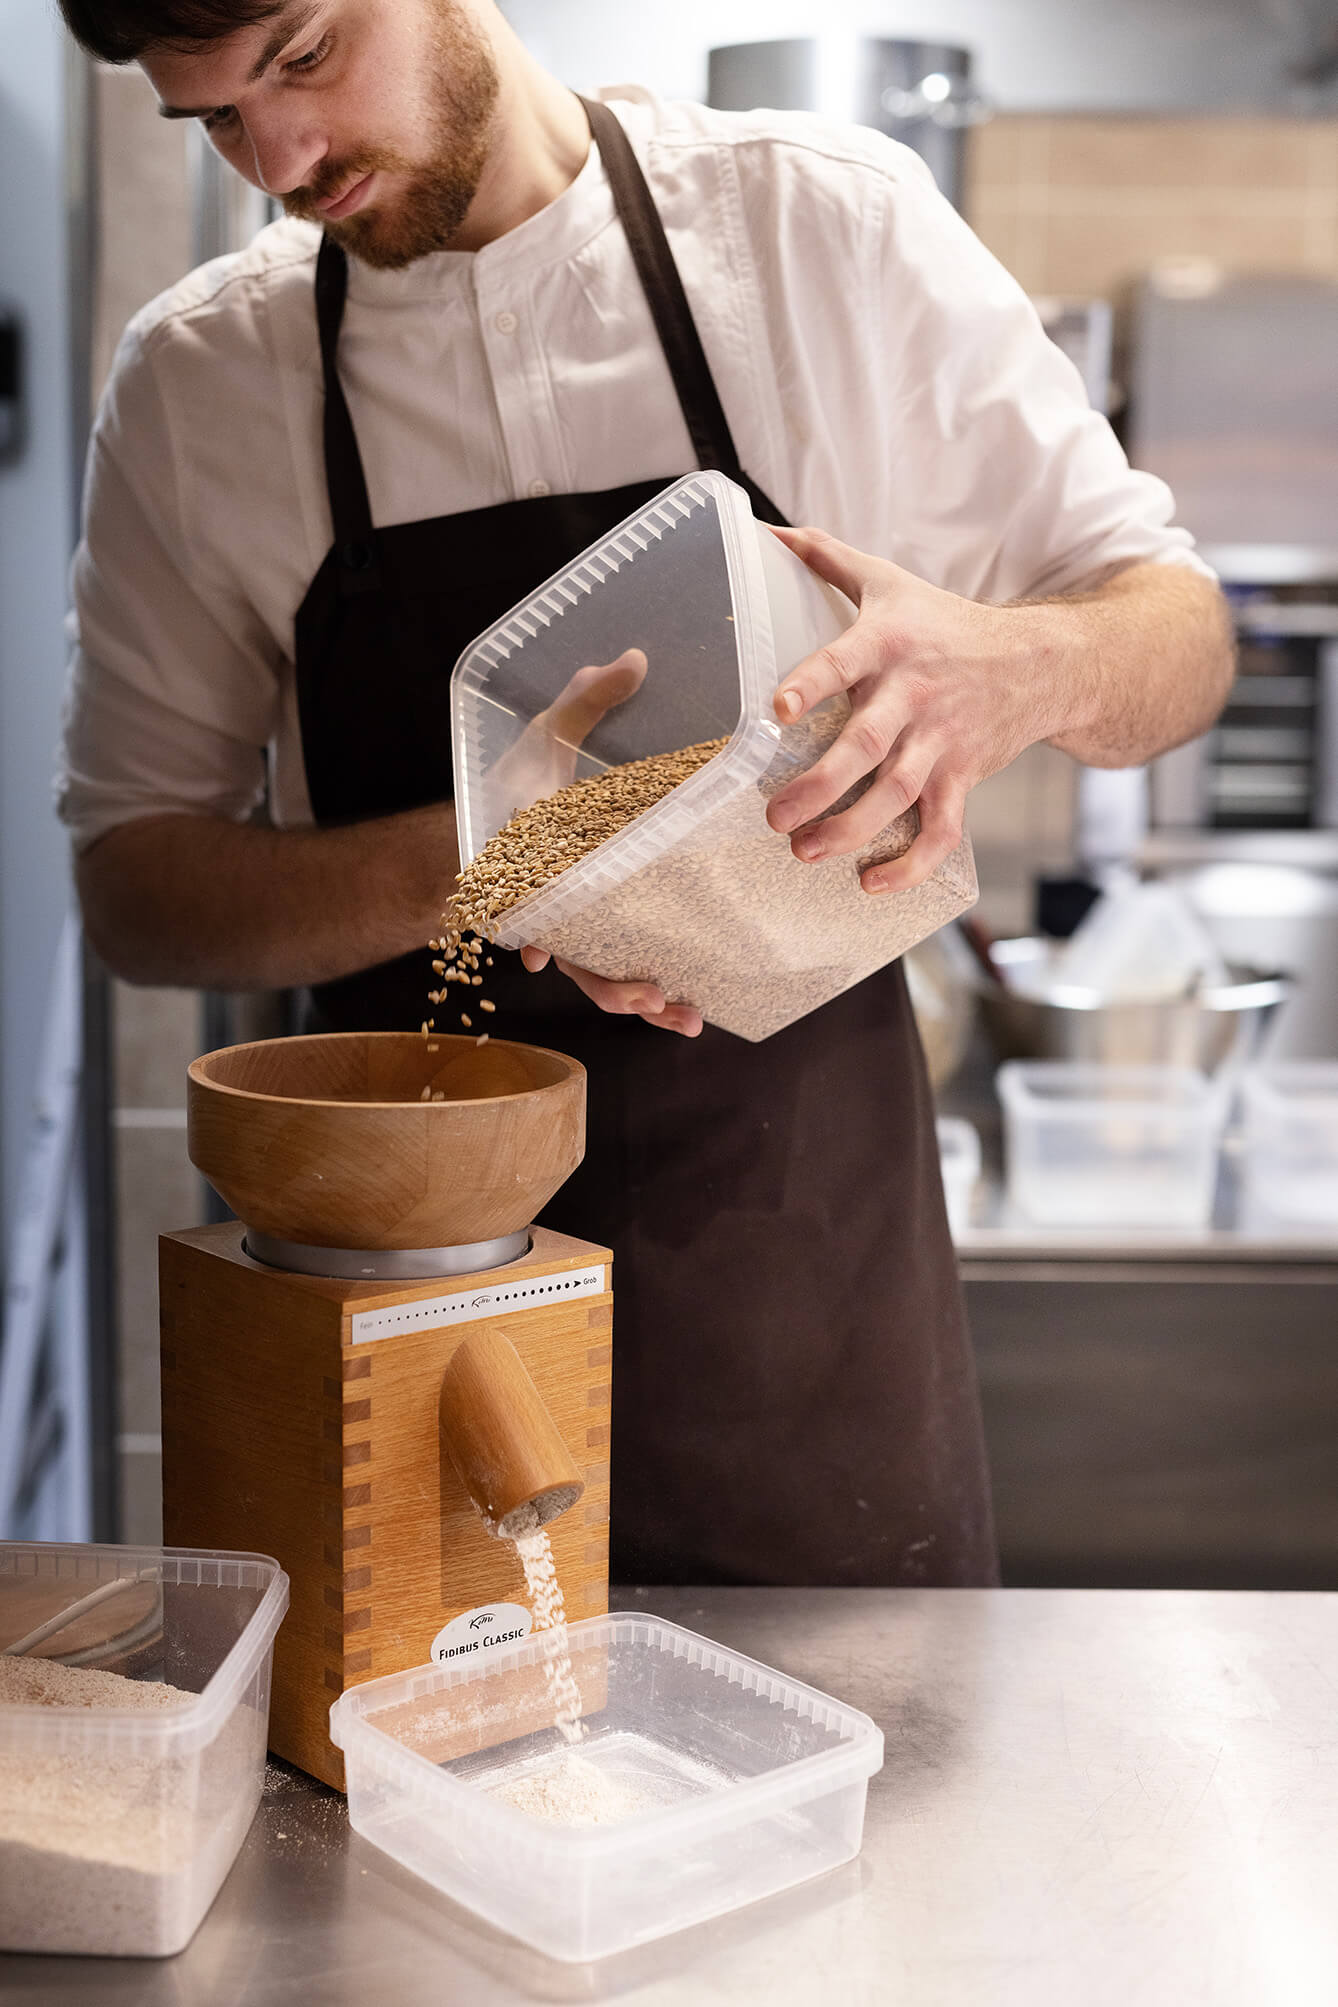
(119, 31)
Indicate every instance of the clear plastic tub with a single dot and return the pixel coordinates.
(722, 1782)
(1290, 1132)
(697, 894)
(1118, 1146)
(118, 1826)
(959, 1157)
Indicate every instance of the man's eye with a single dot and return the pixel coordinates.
(312, 59)
(301, 66)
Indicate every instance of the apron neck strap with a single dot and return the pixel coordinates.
(712, 441)
(344, 477)
(708, 428)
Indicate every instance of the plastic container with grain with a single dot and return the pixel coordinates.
(696, 894)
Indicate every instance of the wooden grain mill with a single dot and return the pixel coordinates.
(380, 1359)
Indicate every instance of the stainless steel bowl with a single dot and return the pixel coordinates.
(1225, 1022)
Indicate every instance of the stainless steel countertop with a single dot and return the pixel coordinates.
(1091, 1798)
(997, 1235)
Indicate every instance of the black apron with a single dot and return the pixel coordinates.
(794, 1400)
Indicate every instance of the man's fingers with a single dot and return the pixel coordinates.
(942, 810)
(592, 692)
(857, 653)
(678, 1017)
(633, 1000)
(621, 999)
(840, 564)
(872, 741)
(899, 783)
(854, 654)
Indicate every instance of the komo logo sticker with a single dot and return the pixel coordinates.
(482, 1630)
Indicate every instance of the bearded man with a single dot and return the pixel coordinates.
(475, 343)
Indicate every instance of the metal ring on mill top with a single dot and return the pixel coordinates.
(386, 1264)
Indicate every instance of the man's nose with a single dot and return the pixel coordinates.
(284, 154)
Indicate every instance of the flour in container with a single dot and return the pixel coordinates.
(109, 1853)
(575, 1793)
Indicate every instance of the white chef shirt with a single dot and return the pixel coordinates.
(883, 376)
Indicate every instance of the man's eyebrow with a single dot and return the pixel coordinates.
(290, 24)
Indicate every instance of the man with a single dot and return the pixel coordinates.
(323, 466)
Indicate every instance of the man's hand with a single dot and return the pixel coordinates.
(622, 999)
(944, 692)
(544, 760)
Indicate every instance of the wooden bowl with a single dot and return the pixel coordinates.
(327, 1140)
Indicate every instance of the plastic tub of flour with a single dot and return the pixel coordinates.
(697, 894)
(702, 1781)
(133, 1729)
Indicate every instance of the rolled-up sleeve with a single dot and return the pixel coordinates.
(1011, 485)
(172, 691)
(124, 756)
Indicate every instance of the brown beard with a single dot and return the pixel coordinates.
(428, 212)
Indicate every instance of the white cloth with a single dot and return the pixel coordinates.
(883, 376)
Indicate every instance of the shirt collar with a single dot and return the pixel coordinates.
(555, 233)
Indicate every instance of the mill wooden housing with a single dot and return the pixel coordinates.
(300, 1419)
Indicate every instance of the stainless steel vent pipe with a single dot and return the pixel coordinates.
(917, 92)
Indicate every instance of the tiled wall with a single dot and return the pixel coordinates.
(1082, 205)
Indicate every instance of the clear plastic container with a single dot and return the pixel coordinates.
(118, 1826)
(959, 1157)
(697, 894)
(1142, 943)
(1111, 1146)
(721, 1781)
(1290, 1132)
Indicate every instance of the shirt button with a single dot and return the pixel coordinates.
(538, 488)
(505, 323)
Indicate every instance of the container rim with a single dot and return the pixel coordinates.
(198, 1719)
(1248, 988)
(1278, 1080)
(1014, 1077)
(859, 1755)
(205, 1084)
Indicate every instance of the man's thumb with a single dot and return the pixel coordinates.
(591, 693)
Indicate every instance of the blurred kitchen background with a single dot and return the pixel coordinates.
(1161, 1396)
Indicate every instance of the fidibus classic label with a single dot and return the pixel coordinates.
(479, 1631)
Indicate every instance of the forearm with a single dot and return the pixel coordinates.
(199, 902)
(1140, 664)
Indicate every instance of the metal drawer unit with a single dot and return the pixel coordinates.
(1161, 1422)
